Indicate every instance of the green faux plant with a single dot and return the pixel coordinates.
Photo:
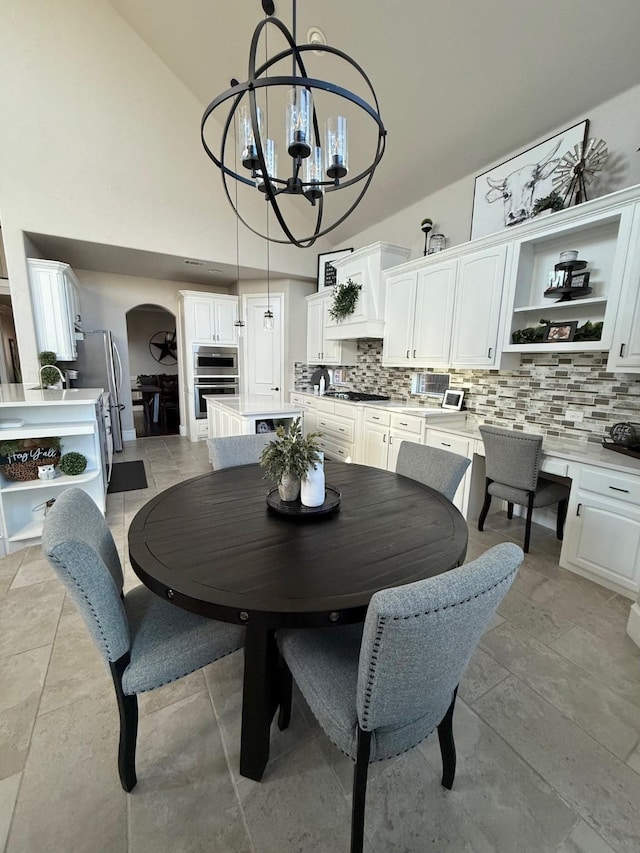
(344, 299)
(553, 201)
(47, 375)
(291, 453)
(73, 463)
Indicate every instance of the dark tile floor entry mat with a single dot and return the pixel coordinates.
(127, 476)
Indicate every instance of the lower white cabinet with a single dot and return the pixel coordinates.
(383, 434)
(463, 447)
(56, 311)
(602, 532)
(625, 346)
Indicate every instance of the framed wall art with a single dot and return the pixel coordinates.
(327, 273)
(505, 195)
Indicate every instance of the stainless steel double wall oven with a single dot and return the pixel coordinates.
(215, 371)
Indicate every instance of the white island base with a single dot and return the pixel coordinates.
(246, 415)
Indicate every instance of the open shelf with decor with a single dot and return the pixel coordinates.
(574, 322)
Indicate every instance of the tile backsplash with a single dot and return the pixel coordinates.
(535, 397)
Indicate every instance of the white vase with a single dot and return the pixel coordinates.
(312, 486)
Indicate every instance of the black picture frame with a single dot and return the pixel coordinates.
(490, 215)
(560, 332)
(579, 279)
(327, 274)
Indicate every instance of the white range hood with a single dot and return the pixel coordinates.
(365, 266)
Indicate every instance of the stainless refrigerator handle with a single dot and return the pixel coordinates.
(118, 376)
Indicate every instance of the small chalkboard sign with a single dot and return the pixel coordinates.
(327, 273)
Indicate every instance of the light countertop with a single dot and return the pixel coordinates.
(390, 406)
(26, 395)
(246, 405)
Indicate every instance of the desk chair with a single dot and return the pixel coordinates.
(378, 691)
(168, 398)
(232, 450)
(512, 462)
(146, 641)
(431, 466)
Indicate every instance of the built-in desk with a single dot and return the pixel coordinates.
(602, 530)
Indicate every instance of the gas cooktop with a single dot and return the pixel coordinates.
(356, 396)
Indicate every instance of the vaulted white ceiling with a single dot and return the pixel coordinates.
(460, 84)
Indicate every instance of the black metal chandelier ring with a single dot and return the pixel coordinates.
(271, 185)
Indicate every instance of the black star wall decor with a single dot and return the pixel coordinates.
(163, 347)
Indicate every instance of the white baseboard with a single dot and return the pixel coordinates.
(633, 625)
(183, 430)
(129, 435)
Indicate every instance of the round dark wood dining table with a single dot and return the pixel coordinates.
(212, 546)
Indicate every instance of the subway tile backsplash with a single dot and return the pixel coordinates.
(542, 395)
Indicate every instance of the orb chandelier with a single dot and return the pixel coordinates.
(317, 162)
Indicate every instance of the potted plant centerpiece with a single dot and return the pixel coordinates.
(288, 457)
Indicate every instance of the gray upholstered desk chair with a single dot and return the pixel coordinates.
(512, 461)
(440, 469)
(232, 450)
(146, 641)
(379, 691)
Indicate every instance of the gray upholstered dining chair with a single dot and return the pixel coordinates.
(378, 691)
(146, 641)
(431, 466)
(232, 450)
(512, 461)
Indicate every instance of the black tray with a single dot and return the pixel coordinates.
(567, 294)
(571, 265)
(294, 509)
(620, 448)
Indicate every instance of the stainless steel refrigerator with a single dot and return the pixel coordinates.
(99, 366)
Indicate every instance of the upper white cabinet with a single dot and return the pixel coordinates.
(365, 267)
(212, 319)
(321, 350)
(477, 312)
(602, 239)
(625, 345)
(56, 311)
(419, 316)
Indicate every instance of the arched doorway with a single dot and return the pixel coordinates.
(153, 369)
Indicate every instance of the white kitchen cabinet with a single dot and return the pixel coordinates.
(463, 447)
(321, 350)
(384, 432)
(419, 316)
(212, 320)
(625, 345)
(375, 444)
(477, 313)
(22, 502)
(54, 295)
(604, 509)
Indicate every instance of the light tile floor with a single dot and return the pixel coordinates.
(547, 730)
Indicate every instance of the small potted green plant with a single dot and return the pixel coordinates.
(288, 457)
(344, 299)
(549, 203)
(49, 374)
(73, 463)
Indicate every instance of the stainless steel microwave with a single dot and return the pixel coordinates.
(215, 361)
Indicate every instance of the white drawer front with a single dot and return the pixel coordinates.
(445, 441)
(554, 466)
(613, 484)
(377, 416)
(345, 410)
(407, 423)
(335, 450)
(334, 425)
(298, 400)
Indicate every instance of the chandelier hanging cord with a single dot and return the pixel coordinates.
(273, 186)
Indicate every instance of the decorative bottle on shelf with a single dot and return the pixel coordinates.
(312, 487)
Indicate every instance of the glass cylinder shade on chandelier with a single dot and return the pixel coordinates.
(316, 165)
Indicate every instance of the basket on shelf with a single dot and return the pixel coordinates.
(19, 459)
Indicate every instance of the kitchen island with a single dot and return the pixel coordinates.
(72, 416)
(246, 415)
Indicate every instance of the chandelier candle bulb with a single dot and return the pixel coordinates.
(247, 141)
(336, 147)
(271, 161)
(313, 174)
(299, 111)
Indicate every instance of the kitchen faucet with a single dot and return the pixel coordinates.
(53, 367)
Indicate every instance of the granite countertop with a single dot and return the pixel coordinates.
(26, 395)
(389, 405)
(246, 405)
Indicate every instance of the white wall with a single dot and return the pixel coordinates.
(617, 121)
(105, 299)
(100, 142)
(142, 324)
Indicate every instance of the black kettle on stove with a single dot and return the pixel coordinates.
(626, 434)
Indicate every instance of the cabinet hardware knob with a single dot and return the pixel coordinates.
(340, 429)
(408, 351)
(390, 438)
(444, 444)
(616, 489)
(402, 423)
(622, 346)
(414, 353)
(490, 352)
(579, 507)
(384, 438)
(374, 418)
